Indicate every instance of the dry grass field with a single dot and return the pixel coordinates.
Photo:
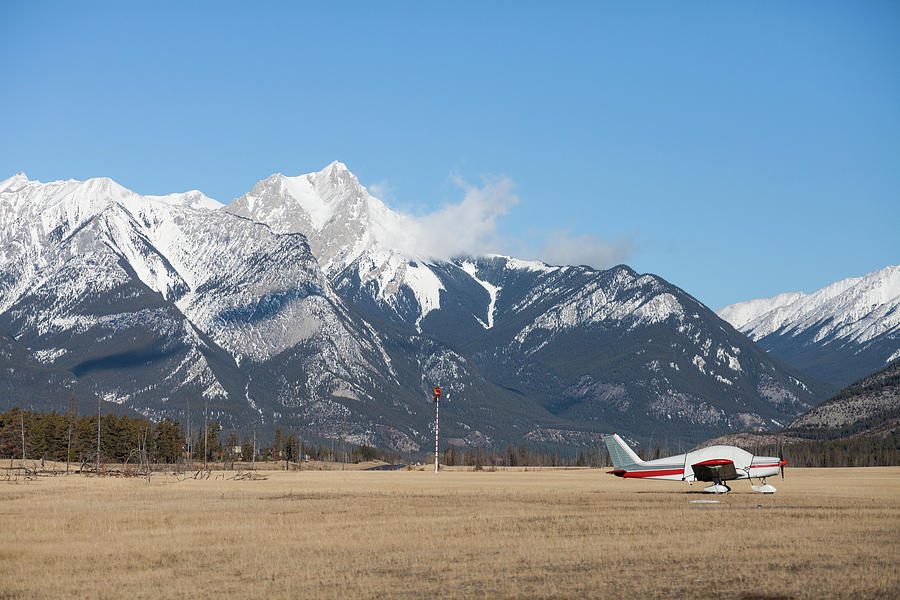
(458, 534)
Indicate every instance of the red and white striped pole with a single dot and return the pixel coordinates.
(437, 415)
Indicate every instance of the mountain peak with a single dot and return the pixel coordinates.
(14, 183)
(304, 203)
(524, 265)
(189, 199)
(335, 176)
(335, 165)
(836, 321)
(844, 305)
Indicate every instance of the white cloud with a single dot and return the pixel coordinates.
(471, 227)
(467, 227)
(382, 190)
(562, 248)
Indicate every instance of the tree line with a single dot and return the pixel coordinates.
(69, 437)
(863, 451)
(521, 456)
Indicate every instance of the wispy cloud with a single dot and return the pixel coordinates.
(382, 190)
(469, 226)
(561, 247)
(472, 226)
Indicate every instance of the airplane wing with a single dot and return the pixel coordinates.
(720, 469)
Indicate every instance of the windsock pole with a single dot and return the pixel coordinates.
(437, 421)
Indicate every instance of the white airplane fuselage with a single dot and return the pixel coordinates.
(715, 464)
(681, 466)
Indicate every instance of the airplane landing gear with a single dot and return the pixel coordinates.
(765, 488)
(717, 488)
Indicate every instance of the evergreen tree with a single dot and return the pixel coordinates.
(277, 444)
(232, 451)
(168, 440)
(246, 448)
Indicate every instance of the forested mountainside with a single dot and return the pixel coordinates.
(859, 426)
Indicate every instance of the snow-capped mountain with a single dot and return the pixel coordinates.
(152, 302)
(629, 351)
(517, 318)
(99, 281)
(355, 236)
(84, 291)
(839, 333)
(306, 304)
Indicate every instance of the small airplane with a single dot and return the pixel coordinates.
(715, 464)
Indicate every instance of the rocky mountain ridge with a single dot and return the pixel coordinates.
(839, 333)
(514, 317)
(293, 307)
(858, 426)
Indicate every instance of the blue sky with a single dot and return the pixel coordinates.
(737, 151)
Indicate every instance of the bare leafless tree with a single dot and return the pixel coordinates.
(145, 450)
(98, 435)
(190, 445)
(253, 455)
(24, 465)
(343, 436)
(205, 433)
(73, 407)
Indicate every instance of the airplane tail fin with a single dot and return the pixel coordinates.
(619, 452)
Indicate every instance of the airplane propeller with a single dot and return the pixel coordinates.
(781, 459)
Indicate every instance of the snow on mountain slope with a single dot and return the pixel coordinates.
(85, 311)
(365, 249)
(350, 232)
(254, 292)
(632, 301)
(855, 319)
(190, 199)
(329, 207)
(855, 309)
(140, 297)
(472, 269)
(65, 246)
(742, 313)
(14, 183)
(34, 216)
(304, 300)
(386, 274)
(615, 346)
(517, 312)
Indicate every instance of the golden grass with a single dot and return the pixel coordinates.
(458, 534)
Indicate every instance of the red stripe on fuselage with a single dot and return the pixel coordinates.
(760, 466)
(638, 474)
